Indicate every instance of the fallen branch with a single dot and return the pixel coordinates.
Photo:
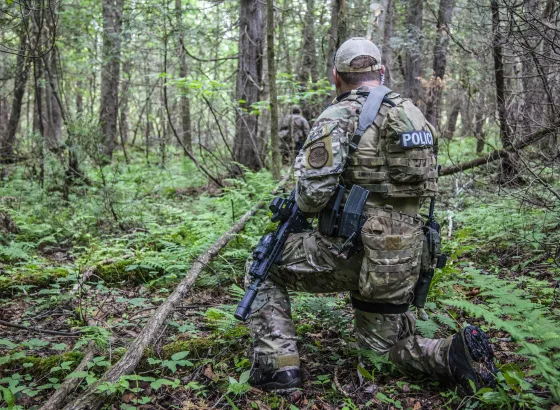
(501, 153)
(69, 385)
(90, 399)
(37, 330)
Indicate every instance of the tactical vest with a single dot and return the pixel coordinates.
(396, 155)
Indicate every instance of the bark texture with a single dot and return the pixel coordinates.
(509, 173)
(184, 102)
(308, 71)
(386, 49)
(247, 145)
(451, 124)
(414, 9)
(433, 102)
(338, 33)
(110, 73)
(276, 164)
(7, 140)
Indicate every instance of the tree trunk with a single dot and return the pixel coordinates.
(451, 125)
(53, 128)
(433, 114)
(479, 119)
(337, 36)
(282, 39)
(110, 72)
(308, 71)
(380, 31)
(413, 52)
(276, 164)
(386, 49)
(124, 127)
(508, 174)
(79, 97)
(247, 145)
(8, 140)
(184, 102)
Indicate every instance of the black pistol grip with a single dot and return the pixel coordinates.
(244, 307)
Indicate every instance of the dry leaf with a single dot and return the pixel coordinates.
(127, 398)
(209, 373)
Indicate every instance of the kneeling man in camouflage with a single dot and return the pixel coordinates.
(371, 138)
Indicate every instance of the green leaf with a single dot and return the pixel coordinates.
(164, 382)
(8, 344)
(59, 346)
(367, 375)
(233, 406)
(9, 397)
(244, 378)
(77, 375)
(179, 356)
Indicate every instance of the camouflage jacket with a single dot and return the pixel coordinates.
(380, 164)
(294, 125)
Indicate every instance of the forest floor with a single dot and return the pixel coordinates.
(95, 268)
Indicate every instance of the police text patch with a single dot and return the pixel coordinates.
(416, 139)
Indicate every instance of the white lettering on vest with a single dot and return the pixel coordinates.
(406, 139)
(416, 139)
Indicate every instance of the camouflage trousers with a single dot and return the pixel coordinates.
(308, 265)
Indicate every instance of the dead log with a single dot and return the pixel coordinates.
(91, 399)
(61, 394)
(501, 153)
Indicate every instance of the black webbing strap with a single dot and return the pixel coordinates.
(369, 112)
(382, 308)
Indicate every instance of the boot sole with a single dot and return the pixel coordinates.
(482, 355)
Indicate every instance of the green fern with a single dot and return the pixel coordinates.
(528, 322)
(427, 328)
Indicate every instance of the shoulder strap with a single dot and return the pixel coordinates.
(369, 112)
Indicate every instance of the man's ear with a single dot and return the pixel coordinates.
(336, 78)
(382, 70)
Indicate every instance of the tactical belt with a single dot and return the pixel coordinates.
(382, 308)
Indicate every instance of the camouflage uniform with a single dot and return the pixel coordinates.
(384, 272)
(294, 130)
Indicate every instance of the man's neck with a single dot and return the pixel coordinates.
(344, 88)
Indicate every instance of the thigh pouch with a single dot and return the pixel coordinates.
(392, 249)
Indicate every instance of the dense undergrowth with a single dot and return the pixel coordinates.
(132, 231)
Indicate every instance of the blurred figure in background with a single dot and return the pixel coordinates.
(294, 130)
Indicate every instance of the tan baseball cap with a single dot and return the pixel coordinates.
(356, 47)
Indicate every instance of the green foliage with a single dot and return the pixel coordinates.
(427, 328)
(325, 310)
(509, 307)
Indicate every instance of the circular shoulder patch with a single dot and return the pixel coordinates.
(318, 155)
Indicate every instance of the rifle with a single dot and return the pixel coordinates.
(269, 249)
(431, 256)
